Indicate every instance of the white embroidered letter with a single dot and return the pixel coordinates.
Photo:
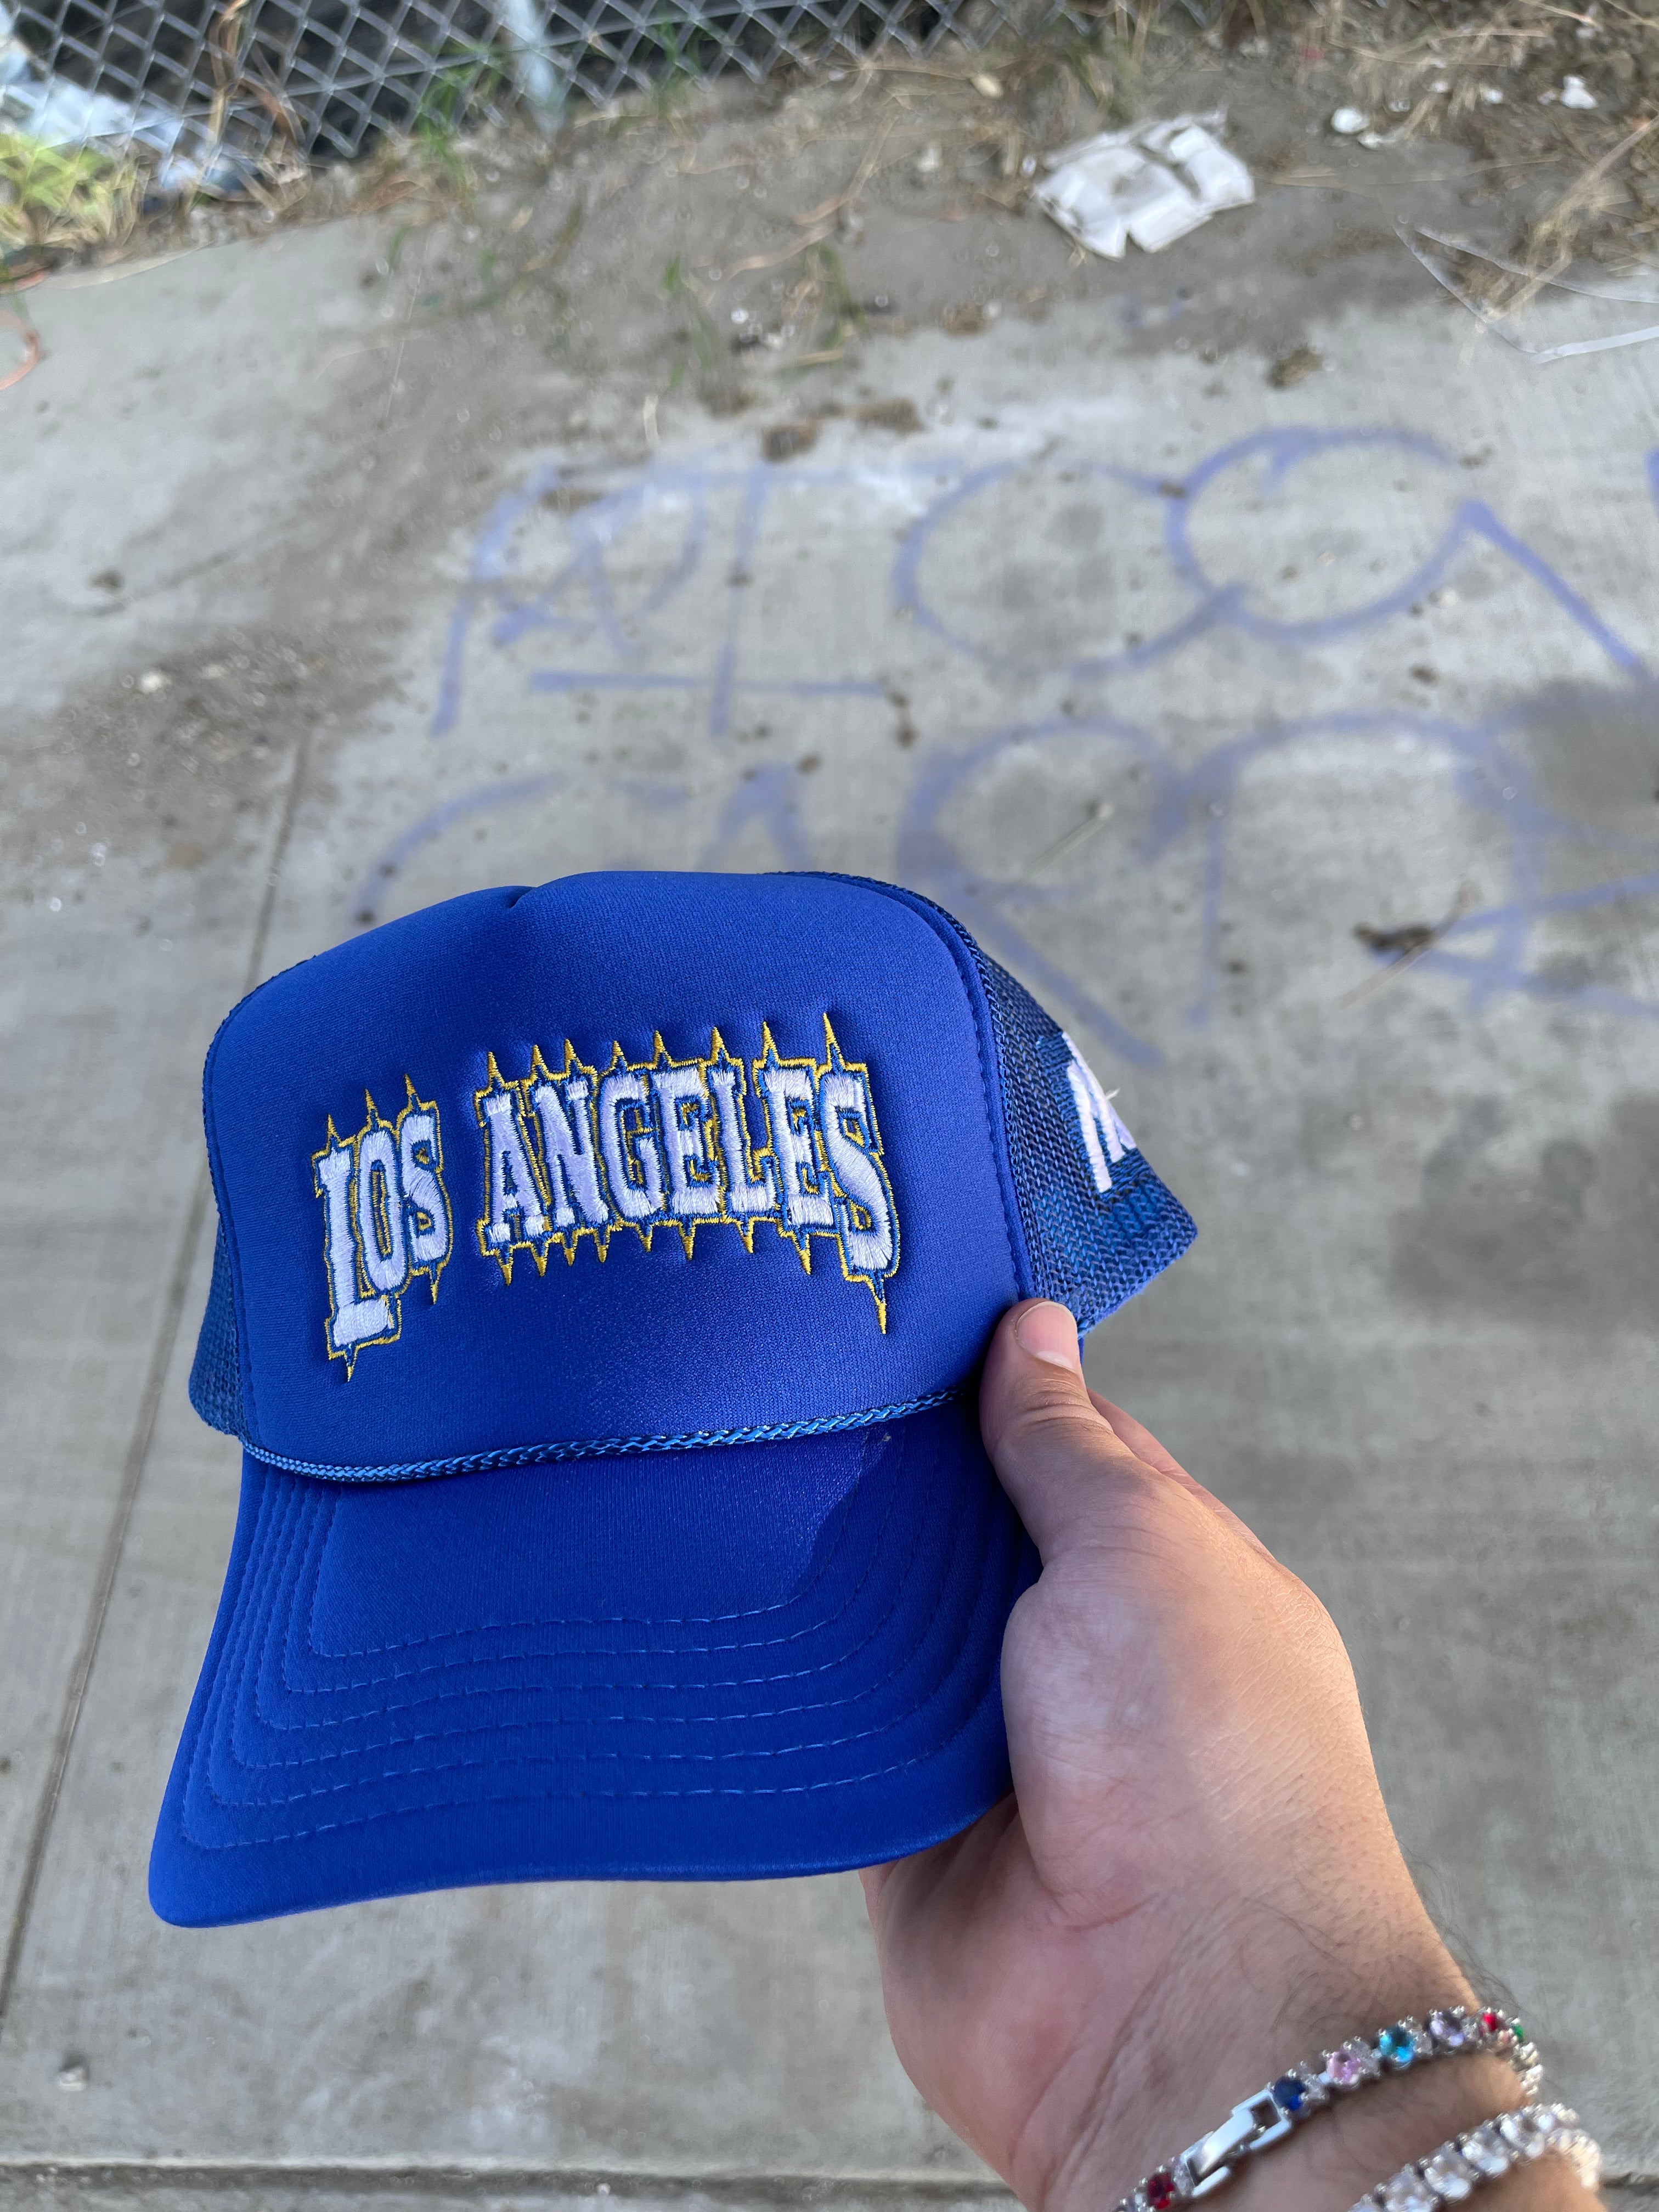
(747, 1196)
(1096, 1119)
(420, 1156)
(630, 1146)
(865, 1220)
(513, 1194)
(380, 1211)
(572, 1167)
(694, 1190)
(354, 1319)
(790, 1094)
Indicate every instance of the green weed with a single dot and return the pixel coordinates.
(826, 295)
(681, 66)
(64, 196)
(701, 331)
(470, 75)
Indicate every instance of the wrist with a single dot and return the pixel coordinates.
(1330, 2165)
(1172, 2084)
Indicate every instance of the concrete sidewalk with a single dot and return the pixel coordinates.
(1166, 681)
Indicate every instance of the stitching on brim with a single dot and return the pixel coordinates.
(201, 1763)
(506, 1729)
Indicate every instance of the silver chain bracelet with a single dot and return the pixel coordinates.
(1449, 2174)
(1301, 2091)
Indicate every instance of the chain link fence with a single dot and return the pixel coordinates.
(207, 81)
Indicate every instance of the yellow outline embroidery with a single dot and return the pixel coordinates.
(771, 1057)
(536, 1244)
(687, 1226)
(744, 1224)
(567, 1240)
(620, 1064)
(414, 1104)
(366, 1290)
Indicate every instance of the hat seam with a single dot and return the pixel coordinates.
(246, 1395)
(508, 1727)
(984, 1029)
(210, 1125)
(509, 1455)
(292, 1540)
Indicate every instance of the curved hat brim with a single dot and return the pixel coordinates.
(730, 1663)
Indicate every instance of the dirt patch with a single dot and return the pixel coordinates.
(739, 245)
(1594, 752)
(898, 415)
(570, 499)
(168, 778)
(1295, 368)
(814, 203)
(1571, 93)
(784, 442)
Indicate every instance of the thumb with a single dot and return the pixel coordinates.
(1057, 1455)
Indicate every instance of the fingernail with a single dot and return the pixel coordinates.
(1047, 1332)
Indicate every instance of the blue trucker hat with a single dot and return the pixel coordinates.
(602, 1278)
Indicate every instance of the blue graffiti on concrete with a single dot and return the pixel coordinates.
(1218, 605)
(1488, 950)
(580, 601)
(1491, 777)
(1494, 776)
(595, 528)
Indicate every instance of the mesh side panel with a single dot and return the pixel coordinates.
(1092, 1250)
(216, 1382)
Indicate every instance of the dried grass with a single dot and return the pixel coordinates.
(1422, 68)
(1490, 75)
(65, 197)
(428, 174)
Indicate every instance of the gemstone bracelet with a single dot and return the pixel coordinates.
(1448, 2175)
(1268, 2116)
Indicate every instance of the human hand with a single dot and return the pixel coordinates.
(1195, 1882)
